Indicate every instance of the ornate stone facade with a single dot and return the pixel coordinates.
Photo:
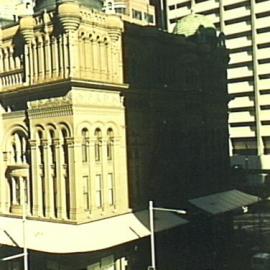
(66, 146)
(98, 117)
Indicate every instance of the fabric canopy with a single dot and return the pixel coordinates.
(224, 201)
(68, 238)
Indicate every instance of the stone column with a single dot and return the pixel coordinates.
(88, 57)
(48, 65)
(36, 175)
(104, 174)
(34, 61)
(13, 187)
(48, 181)
(74, 153)
(55, 70)
(22, 190)
(120, 173)
(60, 179)
(40, 55)
(61, 56)
(95, 59)
(92, 164)
(103, 60)
(66, 56)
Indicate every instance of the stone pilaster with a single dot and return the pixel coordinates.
(60, 179)
(48, 181)
(74, 154)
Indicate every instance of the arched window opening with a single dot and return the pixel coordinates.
(18, 148)
(65, 146)
(85, 145)
(110, 140)
(40, 147)
(98, 144)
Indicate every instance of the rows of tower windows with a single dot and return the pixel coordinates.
(98, 183)
(98, 144)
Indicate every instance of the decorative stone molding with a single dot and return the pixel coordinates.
(50, 102)
(95, 98)
(27, 25)
(69, 16)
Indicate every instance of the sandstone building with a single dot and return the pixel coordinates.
(98, 117)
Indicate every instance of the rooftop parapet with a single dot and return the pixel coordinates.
(70, 42)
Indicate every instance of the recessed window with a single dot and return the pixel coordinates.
(110, 189)
(136, 14)
(99, 198)
(86, 197)
(110, 144)
(85, 145)
(98, 144)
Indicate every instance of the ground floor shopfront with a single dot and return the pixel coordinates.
(123, 242)
(118, 243)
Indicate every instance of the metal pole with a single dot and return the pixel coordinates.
(25, 259)
(162, 17)
(151, 219)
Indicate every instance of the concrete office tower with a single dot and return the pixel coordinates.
(246, 25)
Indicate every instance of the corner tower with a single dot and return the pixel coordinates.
(63, 116)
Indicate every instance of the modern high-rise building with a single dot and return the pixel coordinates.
(246, 25)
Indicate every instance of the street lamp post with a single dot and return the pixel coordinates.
(152, 229)
(24, 254)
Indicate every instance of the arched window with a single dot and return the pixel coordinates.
(85, 145)
(110, 139)
(18, 148)
(40, 147)
(98, 143)
(64, 145)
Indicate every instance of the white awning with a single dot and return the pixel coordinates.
(224, 201)
(68, 238)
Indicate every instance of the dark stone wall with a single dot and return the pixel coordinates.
(176, 112)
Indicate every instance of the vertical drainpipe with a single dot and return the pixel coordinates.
(256, 78)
